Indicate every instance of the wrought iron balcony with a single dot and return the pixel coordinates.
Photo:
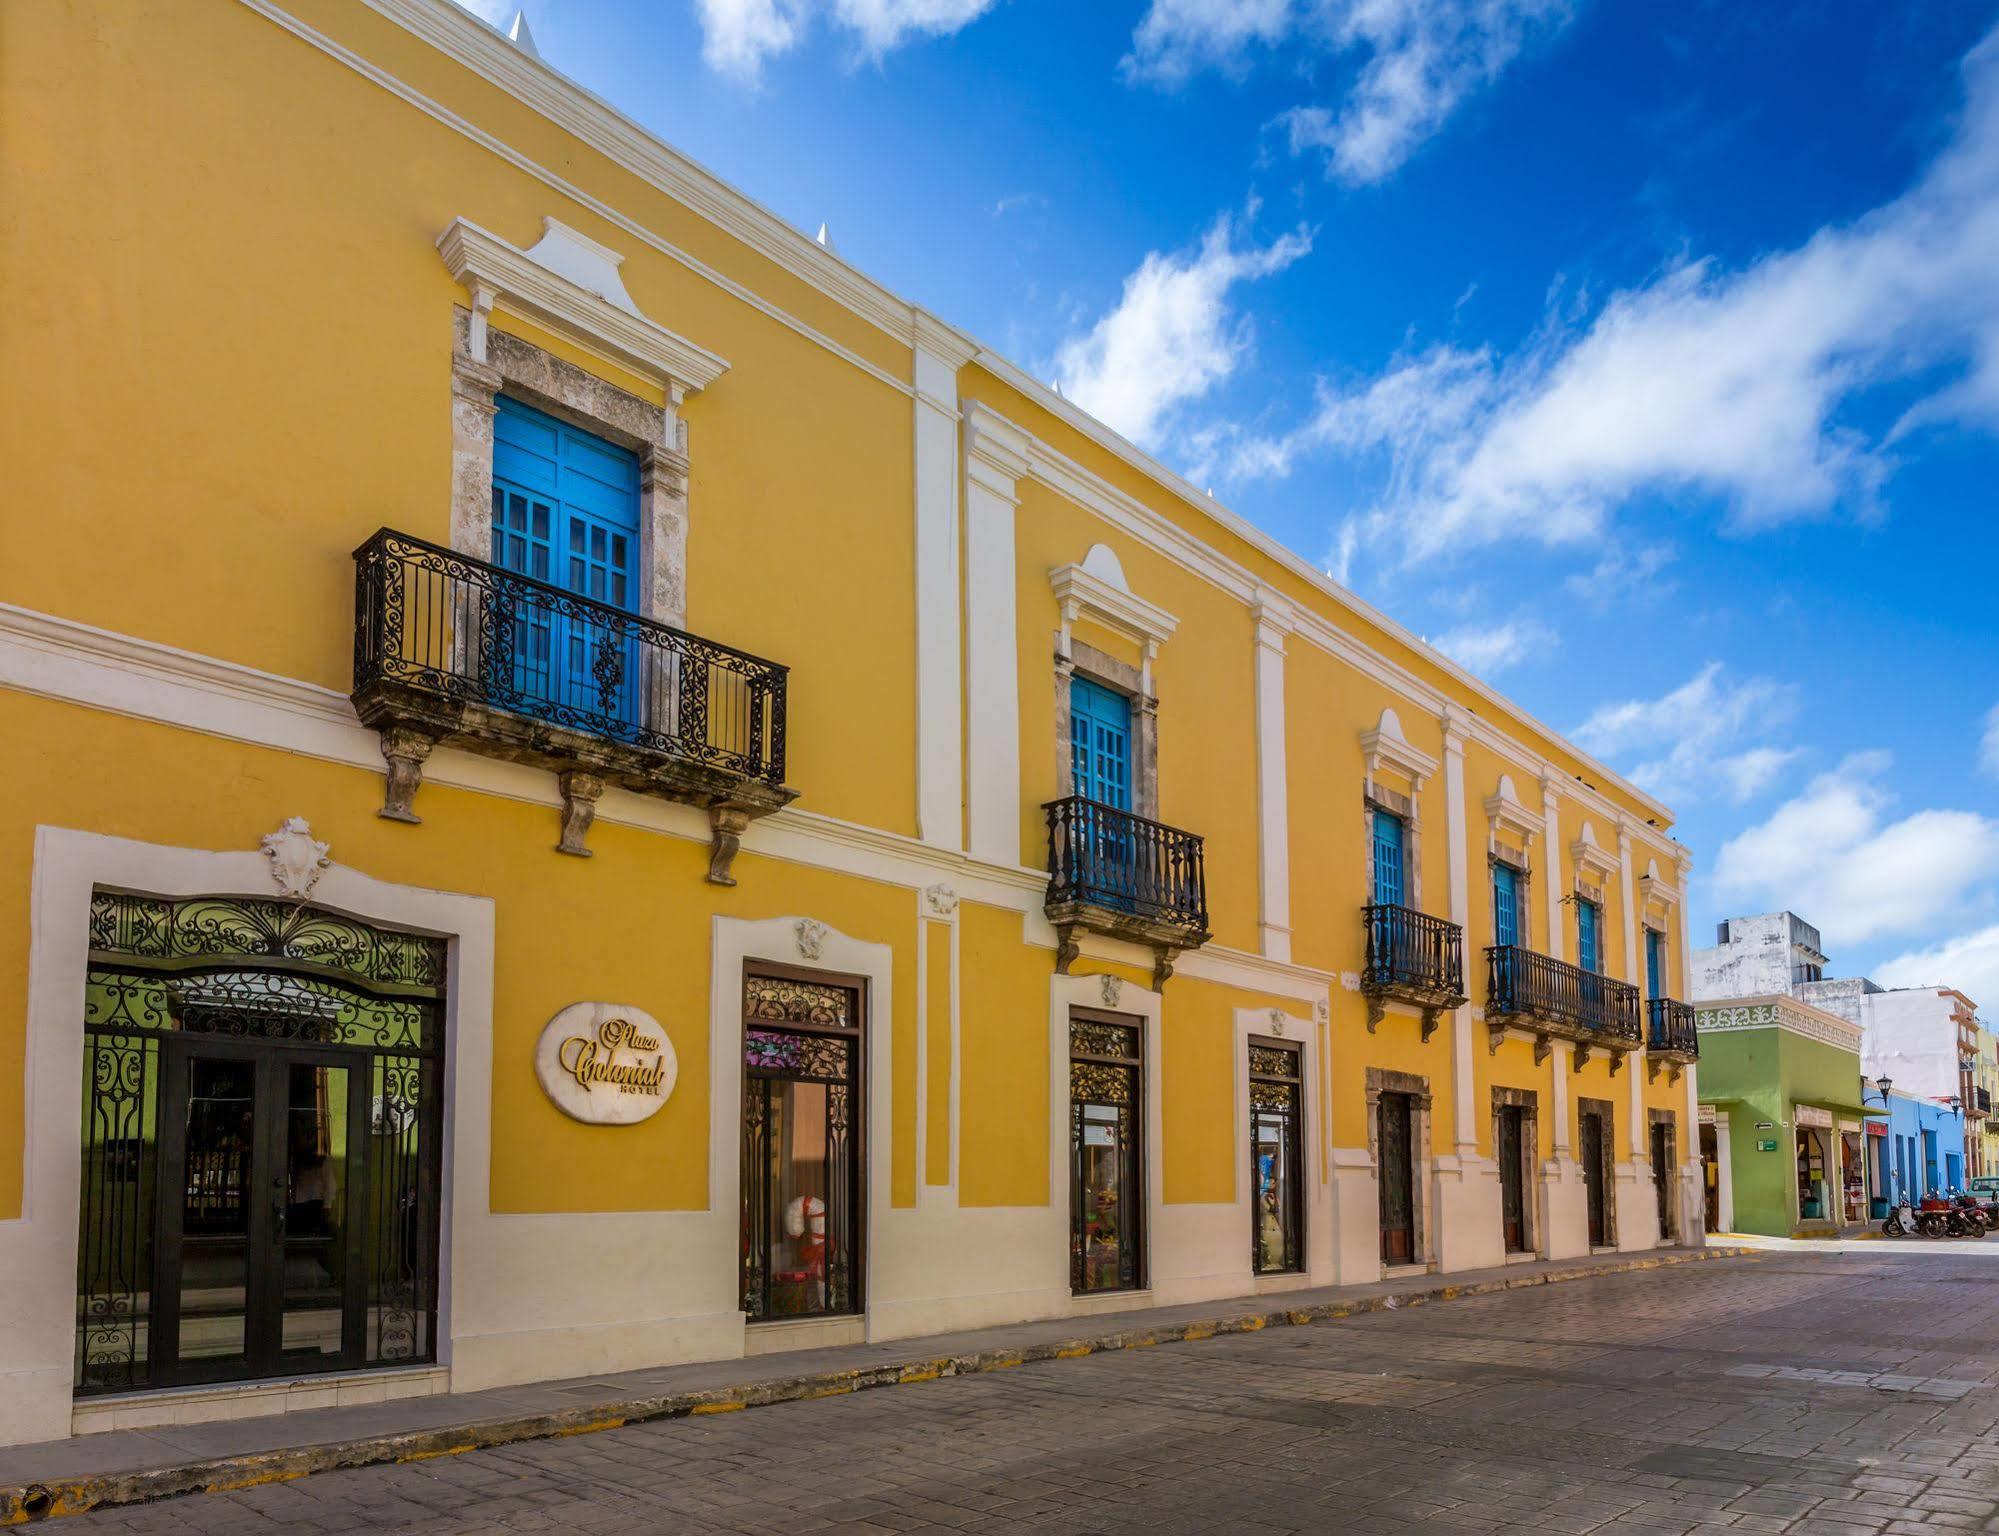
(453, 650)
(1553, 999)
(1670, 1031)
(1115, 873)
(1413, 958)
(1981, 1104)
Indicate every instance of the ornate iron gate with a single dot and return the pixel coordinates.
(1106, 1130)
(291, 1176)
(1276, 1162)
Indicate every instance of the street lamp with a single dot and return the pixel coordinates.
(1882, 1084)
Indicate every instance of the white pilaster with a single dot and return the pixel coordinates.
(1551, 820)
(1565, 1197)
(1273, 623)
(995, 461)
(1464, 1105)
(1634, 1068)
(940, 781)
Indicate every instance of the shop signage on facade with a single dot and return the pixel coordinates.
(1806, 1114)
(606, 1063)
(1766, 1146)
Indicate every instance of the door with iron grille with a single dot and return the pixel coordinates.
(1595, 1185)
(1397, 1171)
(802, 1140)
(1106, 1153)
(261, 1112)
(1276, 1164)
(1513, 1176)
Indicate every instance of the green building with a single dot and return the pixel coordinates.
(1782, 1124)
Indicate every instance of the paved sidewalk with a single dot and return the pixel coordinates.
(134, 1466)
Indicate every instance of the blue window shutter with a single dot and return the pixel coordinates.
(1505, 905)
(1100, 743)
(1655, 963)
(1390, 889)
(1587, 955)
(566, 511)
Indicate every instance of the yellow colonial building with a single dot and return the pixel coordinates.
(588, 787)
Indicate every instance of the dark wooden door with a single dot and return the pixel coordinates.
(1512, 1176)
(1711, 1180)
(1662, 1175)
(1593, 1180)
(1398, 1195)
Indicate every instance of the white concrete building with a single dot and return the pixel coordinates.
(1769, 955)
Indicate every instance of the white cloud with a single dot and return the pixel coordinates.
(739, 36)
(1834, 851)
(1422, 59)
(1969, 962)
(1488, 650)
(1624, 574)
(1681, 740)
(1730, 383)
(1988, 745)
(1177, 38)
(1173, 334)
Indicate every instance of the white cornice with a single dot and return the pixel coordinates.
(1385, 745)
(1087, 596)
(1591, 858)
(1774, 1011)
(487, 52)
(506, 277)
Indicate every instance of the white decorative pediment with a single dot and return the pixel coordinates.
(1654, 889)
(570, 284)
(1386, 747)
(1594, 864)
(1095, 589)
(1503, 809)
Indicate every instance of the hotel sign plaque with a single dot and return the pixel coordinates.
(606, 1063)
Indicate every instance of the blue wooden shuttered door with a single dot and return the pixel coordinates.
(1588, 954)
(1655, 963)
(1505, 905)
(1100, 742)
(1388, 839)
(566, 511)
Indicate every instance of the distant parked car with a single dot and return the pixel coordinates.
(1985, 1186)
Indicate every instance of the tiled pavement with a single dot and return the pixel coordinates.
(1816, 1393)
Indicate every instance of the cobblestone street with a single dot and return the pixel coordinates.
(1830, 1393)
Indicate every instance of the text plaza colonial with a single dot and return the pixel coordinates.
(609, 792)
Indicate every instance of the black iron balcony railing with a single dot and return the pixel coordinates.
(1669, 1028)
(1983, 1100)
(441, 622)
(451, 648)
(1567, 998)
(1412, 956)
(1117, 873)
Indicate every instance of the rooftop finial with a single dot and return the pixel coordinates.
(521, 36)
(825, 238)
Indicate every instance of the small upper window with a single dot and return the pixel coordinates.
(1506, 926)
(1390, 838)
(1100, 743)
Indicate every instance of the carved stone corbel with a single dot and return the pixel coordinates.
(1162, 967)
(1582, 1056)
(404, 749)
(1067, 948)
(1376, 1012)
(1652, 1067)
(580, 794)
(1616, 1062)
(726, 824)
(1494, 1037)
(1430, 1021)
(1542, 1047)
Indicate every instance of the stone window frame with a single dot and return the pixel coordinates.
(1376, 796)
(1135, 683)
(1382, 1080)
(1607, 1108)
(1671, 1120)
(519, 369)
(1522, 865)
(1530, 1160)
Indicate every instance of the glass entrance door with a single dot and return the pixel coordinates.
(260, 1265)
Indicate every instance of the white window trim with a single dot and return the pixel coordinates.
(546, 285)
(1592, 859)
(1505, 813)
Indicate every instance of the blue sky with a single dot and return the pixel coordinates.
(1645, 358)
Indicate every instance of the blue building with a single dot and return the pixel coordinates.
(1924, 1149)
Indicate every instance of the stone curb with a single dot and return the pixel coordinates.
(23, 1503)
